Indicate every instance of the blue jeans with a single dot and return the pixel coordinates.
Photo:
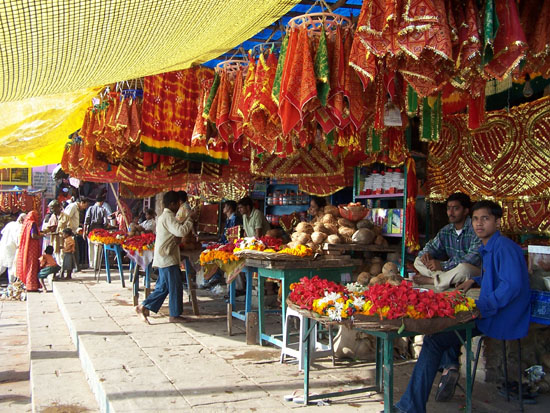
(441, 350)
(168, 283)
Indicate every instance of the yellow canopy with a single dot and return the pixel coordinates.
(50, 47)
(33, 132)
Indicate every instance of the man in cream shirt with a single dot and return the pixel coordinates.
(167, 259)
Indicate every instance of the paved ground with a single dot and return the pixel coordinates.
(15, 389)
(195, 366)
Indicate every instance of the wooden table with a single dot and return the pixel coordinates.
(384, 363)
(337, 269)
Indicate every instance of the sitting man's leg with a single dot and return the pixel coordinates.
(420, 384)
(446, 279)
(426, 275)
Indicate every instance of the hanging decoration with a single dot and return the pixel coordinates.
(411, 230)
(506, 158)
(170, 109)
(13, 202)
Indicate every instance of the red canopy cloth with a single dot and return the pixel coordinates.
(506, 158)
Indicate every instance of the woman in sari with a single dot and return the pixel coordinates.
(29, 252)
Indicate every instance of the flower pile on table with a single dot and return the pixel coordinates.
(269, 244)
(140, 243)
(218, 254)
(104, 236)
(385, 301)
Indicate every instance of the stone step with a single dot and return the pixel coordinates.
(121, 375)
(57, 380)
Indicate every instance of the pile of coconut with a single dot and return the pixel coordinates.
(333, 229)
(380, 273)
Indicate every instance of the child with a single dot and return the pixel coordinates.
(69, 261)
(47, 266)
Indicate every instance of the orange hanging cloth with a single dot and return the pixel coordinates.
(298, 84)
(223, 109)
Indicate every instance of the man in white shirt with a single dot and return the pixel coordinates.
(73, 213)
(149, 225)
(167, 259)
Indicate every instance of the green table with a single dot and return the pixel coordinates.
(336, 268)
(384, 363)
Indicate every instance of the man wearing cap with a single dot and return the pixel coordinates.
(96, 217)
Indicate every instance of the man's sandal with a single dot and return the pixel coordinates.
(447, 385)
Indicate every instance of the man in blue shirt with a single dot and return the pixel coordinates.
(504, 304)
(232, 219)
(452, 257)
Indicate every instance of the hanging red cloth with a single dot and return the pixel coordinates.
(510, 42)
(298, 84)
(411, 230)
(223, 109)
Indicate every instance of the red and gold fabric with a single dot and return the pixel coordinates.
(510, 44)
(298, 85)
(169, 113)
(28, 253)
(535, 21)
(506, 158)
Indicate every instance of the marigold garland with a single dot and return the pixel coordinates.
(107, 237)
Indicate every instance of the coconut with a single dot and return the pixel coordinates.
(318, 237)
(320, 227)
(365, 223)
(294, 236)
(331, 228)
(390, 268)
(332, 210)
(375, 268)
(292, 244)
(379, 240)
(363, 236)
(329, 219)
(334, 239)
(379, 279)
(363, 278)
(304, 227)
(303, 238)
(343, 222)
(346, 232)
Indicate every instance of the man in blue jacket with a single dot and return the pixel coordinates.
(504, 304)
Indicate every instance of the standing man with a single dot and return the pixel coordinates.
(56, 224)
(254, 222)
(73, 213)
(504, 304)
(96, 217)
(167, 260)
(452, 257)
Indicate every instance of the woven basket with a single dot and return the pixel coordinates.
(353, 213)
(421, 326)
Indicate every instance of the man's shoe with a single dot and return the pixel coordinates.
(447, 385)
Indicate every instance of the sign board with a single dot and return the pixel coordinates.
(43, 180)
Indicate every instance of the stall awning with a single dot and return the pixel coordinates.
(51, 47)
(33, 131)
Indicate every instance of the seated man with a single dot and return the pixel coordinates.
(215, 276)
(504, 304)
(452, 257)
(254, 222)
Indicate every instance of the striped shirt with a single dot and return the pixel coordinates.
(454, 248)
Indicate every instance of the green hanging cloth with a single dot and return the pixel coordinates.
(211, 95)
(322, 71)
(374, 142)
(490, 29)
(430, 125)
(329, 138)
(279, 72)
(412, 101)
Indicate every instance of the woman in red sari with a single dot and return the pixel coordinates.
(29, 252)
